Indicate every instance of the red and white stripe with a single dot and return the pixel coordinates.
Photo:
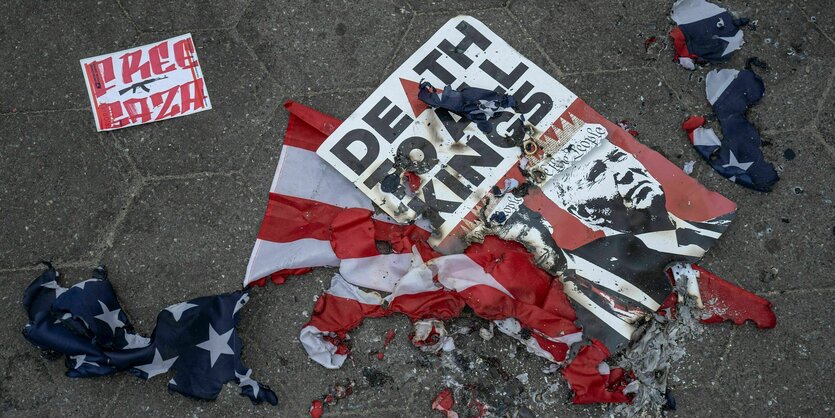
(497, 279)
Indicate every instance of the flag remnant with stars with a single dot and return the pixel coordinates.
(737, 156)
(197, 340)
(704, 32)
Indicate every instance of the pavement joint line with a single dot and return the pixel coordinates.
(125, 152)
(314, 93)
(676, 94)
(113, 228)
(113, 398)
(237, 36)
(130, 18)
(187, 30)
(819, 136)
(609, 71)
(459, 11)
(815, 24)
(551, 62)
(796, 291)
(43, 111)
(267, 127)
(822, 101)
(55, 262)
(189, 176)
(399, 46)
(725, 355)
(243, 12)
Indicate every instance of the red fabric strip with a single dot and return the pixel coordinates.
(291, 218)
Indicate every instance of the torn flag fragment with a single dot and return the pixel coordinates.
(704, 32)
(197, 339)
(477, 105)
(737, 156)
(724, 301)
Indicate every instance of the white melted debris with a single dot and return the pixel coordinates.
(651, 355)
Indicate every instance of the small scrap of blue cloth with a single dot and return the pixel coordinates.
(477, 105)
(737, 156)
(197, 339)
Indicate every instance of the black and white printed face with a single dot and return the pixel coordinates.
(610, 190)
(530, 229)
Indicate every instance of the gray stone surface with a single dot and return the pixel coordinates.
(173, 207)
(42, 44)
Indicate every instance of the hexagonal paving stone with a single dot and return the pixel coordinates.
(183, 239)
(63, 186)
(571, 33)
(183, 15)
(785, 369)
(217, 140)
(498, 20)
(826, 117)
(325, 45)
(453, 6)
(789, 228)
(42, 44)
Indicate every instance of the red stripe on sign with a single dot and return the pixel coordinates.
(307, 127)
(569, 232)
(92, 90)
(291, 218)
(337, 314)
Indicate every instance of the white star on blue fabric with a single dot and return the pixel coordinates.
(178, 309)
(110, 317)
(54, 285)
(157, 365)
(81, 285)
(733, 162)
(217, 344)
(240, 304)
(734, 42)
(81, 360)
(245, 380)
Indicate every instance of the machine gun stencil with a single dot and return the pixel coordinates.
(141, 85)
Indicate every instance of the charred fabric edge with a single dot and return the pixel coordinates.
(197, 339)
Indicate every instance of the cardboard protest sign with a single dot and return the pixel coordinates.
(459, 163)
(591, 204)
(145, 84)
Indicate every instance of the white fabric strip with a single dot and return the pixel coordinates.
(459, 272)
(689, 11)
(341, 288)
(269, 257)
(320, 350)
(380, 272)
(716, 83)
(705, 136)
(302, 173)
